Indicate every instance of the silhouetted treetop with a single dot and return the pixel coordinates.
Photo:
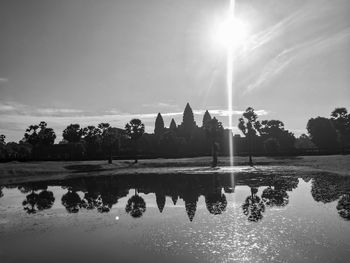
(134, 129)
(341, 121)
(73, 133)
(45, 136)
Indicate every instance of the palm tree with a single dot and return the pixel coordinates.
(134, 130)
(249, 126)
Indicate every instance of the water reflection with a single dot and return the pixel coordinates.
(253, 206)
(102, 193)
(136, 206)
(343, 206)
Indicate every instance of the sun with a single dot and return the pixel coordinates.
(231, 32)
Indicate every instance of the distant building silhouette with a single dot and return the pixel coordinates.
(173, 125)
(206, 118)
(159, 125)
(188, 124)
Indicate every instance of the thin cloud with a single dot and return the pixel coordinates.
(4, 80)
(301, 51)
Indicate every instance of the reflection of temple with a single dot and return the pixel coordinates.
(101, 193)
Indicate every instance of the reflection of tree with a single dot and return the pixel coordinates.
(216, 203)
(108, 199)
(136, 206)
(37, 202)
(343, 206)
(275, 197)
(276, 194)
(71, 201)
(91, 200)
(253, 207)
(325, 189)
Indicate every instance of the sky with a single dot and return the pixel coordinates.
(87, 62)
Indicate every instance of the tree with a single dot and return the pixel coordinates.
(341, 121)
(322, 133)
(172, 126)
(159, 125)
(274, 129)
(92, 138)
(73, 133)
(45, 136)
(249, 126)
(40, 137)
(304, 142)
(110, 141)
(134, 130)
(206, 118)
(214, 131)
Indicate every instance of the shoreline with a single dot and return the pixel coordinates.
(17, 172)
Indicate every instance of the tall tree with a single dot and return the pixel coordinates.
(341, 121)
(249, 125)
(134, 130)
(214, 131)
(92, 138)
(273, 131)
(110, 141)
(322, 133)
(159, 125)
(206, 118)
(45, 136)
(73, 133)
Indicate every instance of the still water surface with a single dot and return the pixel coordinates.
(189, 218)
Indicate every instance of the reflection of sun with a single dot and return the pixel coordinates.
(232, 32)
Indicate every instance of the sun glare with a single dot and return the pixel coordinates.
(231, 32)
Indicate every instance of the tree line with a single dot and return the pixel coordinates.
(260, 137)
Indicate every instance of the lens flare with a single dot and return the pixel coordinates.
(229, 73)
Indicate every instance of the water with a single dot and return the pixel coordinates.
(189, 218)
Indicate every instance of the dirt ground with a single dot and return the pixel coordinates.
(19, 172)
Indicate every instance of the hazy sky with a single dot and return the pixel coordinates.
(84, 61)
